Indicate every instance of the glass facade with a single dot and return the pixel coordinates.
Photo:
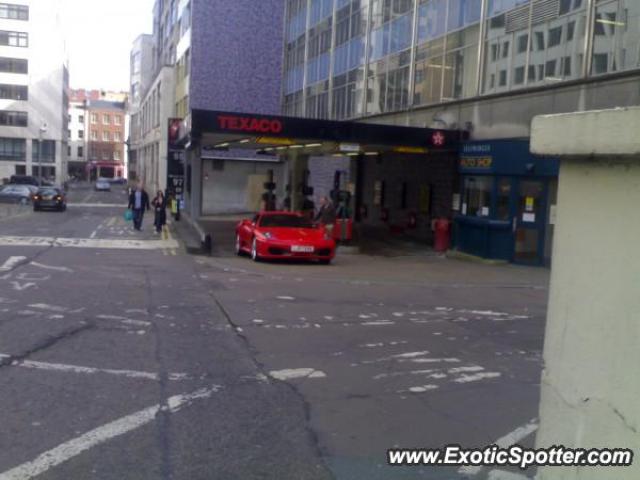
(350, 58)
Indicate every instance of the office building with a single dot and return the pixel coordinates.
(34, 82)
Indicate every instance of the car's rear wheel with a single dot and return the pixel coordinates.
(238, 245)
(254, 251)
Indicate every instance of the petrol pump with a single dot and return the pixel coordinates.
(269, 197)
(306, 191)
(341, 197)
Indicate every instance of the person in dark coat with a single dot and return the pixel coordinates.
(138, 203)
(327, 214)
(159, 204)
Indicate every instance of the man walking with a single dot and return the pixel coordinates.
(138, 202)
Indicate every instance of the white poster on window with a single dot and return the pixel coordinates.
(464, 208)
(485, 211)
(529, 217)
(456, 202)
(552, 215)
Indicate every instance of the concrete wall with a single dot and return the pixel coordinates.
(230, 186)
(510, 115)
(590, 385)
(237, 55)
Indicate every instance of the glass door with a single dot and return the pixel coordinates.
(529, 221)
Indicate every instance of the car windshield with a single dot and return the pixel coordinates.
(285, 221)
(48, 191)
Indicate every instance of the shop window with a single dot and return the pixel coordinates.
(477, 196)
(404, 195)
(519, 76)
(503, 199)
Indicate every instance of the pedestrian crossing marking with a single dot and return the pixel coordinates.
(89, 243)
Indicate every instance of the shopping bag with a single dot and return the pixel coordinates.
(128, 215)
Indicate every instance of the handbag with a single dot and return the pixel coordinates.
(128, 215)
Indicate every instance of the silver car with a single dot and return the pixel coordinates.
(103, 185)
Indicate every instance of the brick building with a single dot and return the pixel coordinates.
(106, 138)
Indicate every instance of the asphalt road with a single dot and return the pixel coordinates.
(124, 358)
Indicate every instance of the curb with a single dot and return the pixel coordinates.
(467, 257)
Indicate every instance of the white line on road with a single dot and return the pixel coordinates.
(60, 367)
(503, 475)
(97, 205)
(50, 267)
(11, 263)
(50, 308)
(291, 373)
(128, 321)
(503, 442)
(93, 438)
(87, 243)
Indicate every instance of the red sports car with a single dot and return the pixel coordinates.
(284, 235)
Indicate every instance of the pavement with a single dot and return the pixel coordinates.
(122, 357)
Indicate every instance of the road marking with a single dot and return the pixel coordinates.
(88, 243)
(11, 263)
(93, 234)
(19, 287)
(97, 205)
(291, 373)
(60, 367)
(477, 377)
(503, 475)
(128, 321)
(50, 308)
(507, 441)
(49, 267)
(97, 436)
(112, 221)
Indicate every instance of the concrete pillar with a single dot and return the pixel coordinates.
(590, 384)
(298, 164)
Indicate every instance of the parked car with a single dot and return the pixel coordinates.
(17, 193)
(50, 198)
(23, 180)
(284, 235)
(103, 185)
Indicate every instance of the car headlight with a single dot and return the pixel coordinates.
(268, 235)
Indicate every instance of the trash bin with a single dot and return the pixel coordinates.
(442, 235)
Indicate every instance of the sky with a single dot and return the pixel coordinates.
(99, 36)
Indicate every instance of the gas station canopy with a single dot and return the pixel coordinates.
(278, 135)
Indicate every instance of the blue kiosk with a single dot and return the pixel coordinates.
(506, 206)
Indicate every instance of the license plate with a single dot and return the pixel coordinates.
(48, 197)
(302, 249)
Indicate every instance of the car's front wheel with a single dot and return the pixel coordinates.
(254, 251)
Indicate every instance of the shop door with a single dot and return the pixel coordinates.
(529, 221)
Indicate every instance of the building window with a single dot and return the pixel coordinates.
(81, 119)
(116, 156)
(106, 137)
(48, 151)
(555, 37)
(94, 118)
(80, 152)
(117, 137)
(571, 27)
(518, 77)
(14, 65)
(539, 36)
(477, 196)
(80, 133)
(117, 119)
(13, 119)
(68, 150)
(566, 66)
(14, 92)
(600, 63)
(550, 69)
(494, 52)
(13, 149)
(14, 12)
(522, 43)
(106, 119)
(502, 78)
(14, 39)
(505, 49)
(94, 135)
(68, 133)
(105, 155)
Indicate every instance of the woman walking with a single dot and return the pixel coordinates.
(160, 207)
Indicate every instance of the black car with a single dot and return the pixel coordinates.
(50, 198)
(23, 180)
(21, 194)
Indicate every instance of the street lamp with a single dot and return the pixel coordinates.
(42, 131)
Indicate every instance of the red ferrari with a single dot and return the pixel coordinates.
(284, 235)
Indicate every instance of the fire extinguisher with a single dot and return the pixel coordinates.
(384, 215)
(413, 220)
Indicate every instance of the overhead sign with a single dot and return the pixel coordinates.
(483, 163)
(410, 150)
(249, 124)
(274, 141)
(350, 147)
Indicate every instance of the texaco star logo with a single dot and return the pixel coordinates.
(438, 139)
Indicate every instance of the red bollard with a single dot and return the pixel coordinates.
(442, 235)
